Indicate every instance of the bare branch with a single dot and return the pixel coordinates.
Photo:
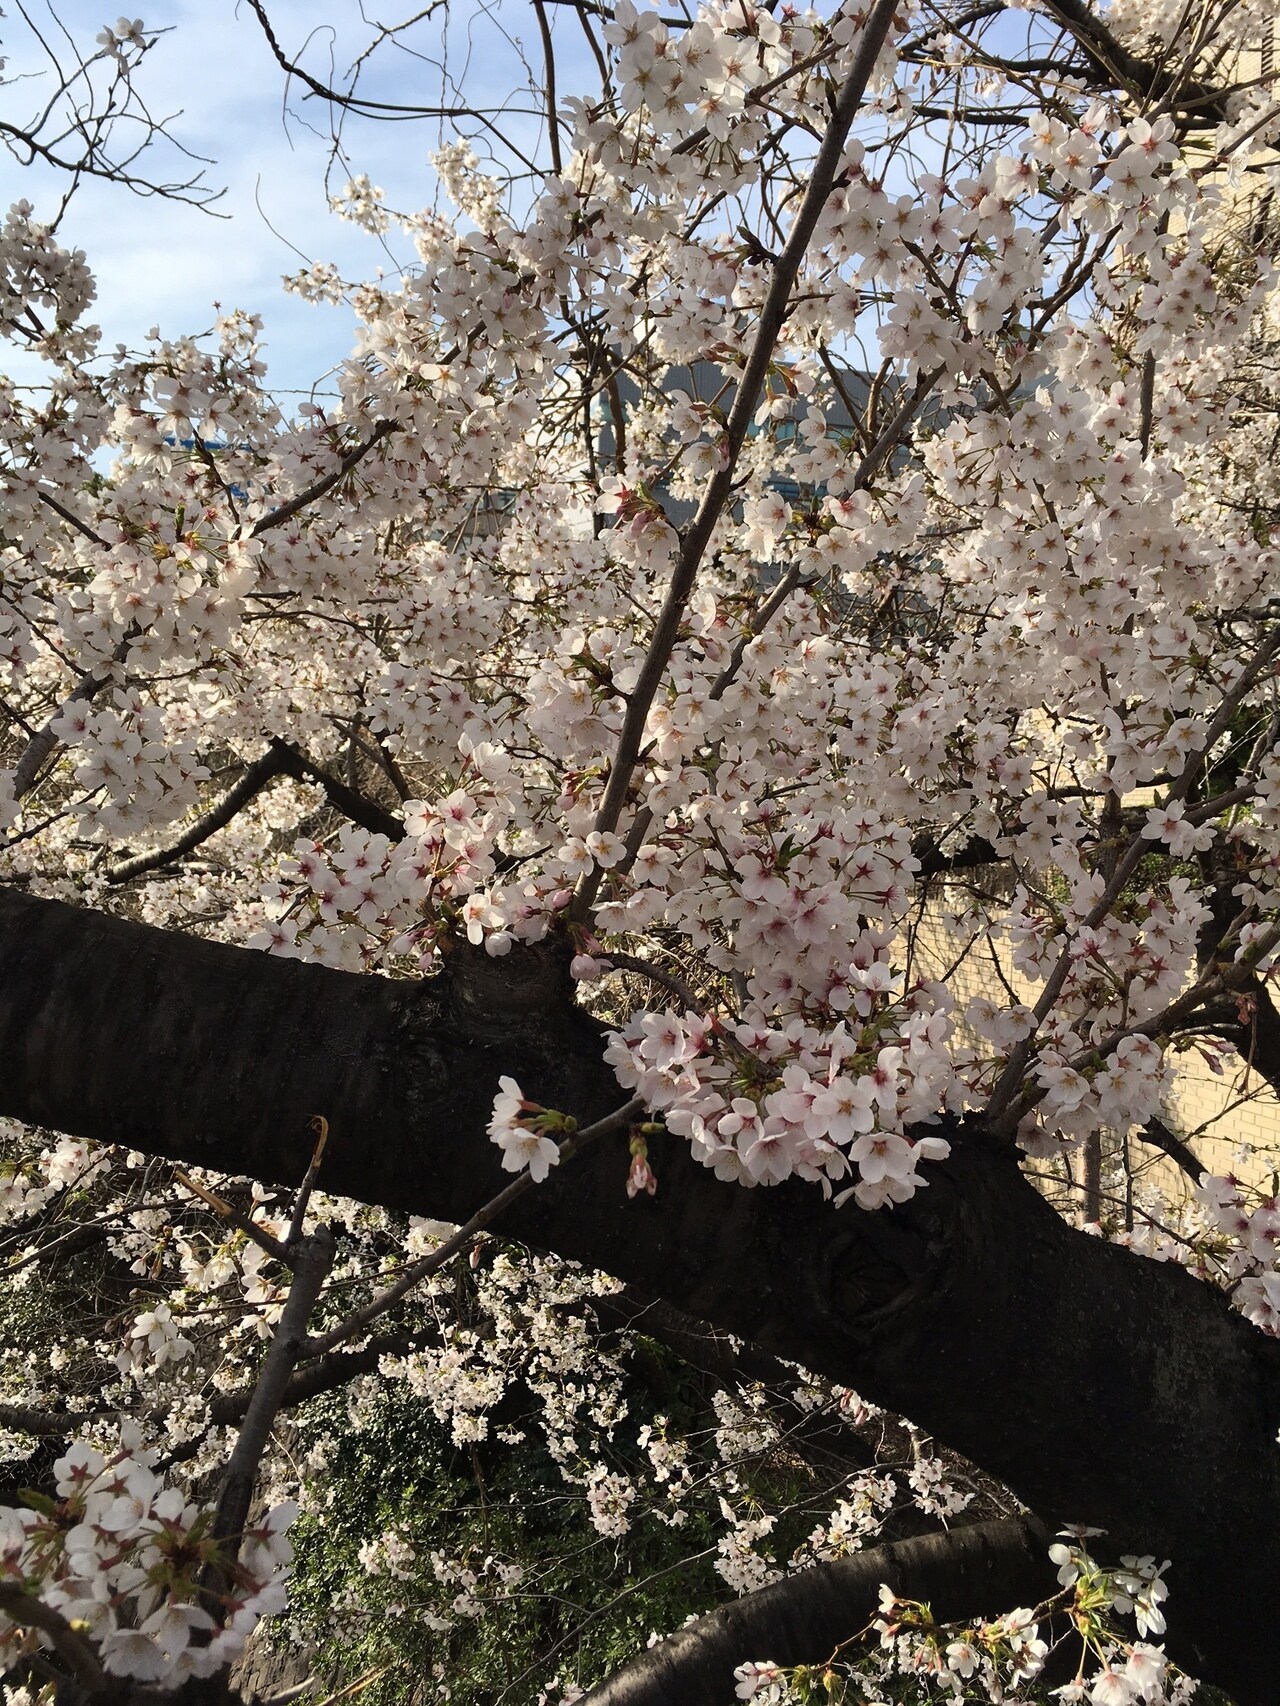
(968, 1572)
(353, 458)
(1158, 1134)
(280, 759)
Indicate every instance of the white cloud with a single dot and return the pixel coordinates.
(162, 263)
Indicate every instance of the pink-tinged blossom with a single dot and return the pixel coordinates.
(882, 1155)
(1169, 824)
(1144, 1671)
(770, 1158)
(606, 850)
(1087, 549)
(640, 1178)
(522, 1143)
(755, 1675)
(845, 1109)
(1110, 1688)
(121, 1556)
(1258, 1299)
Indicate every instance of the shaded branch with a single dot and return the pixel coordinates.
(454, 1245)
(772, 314)
(353, 458)
(71, 1647)
(280, 759)
(1159, 1136)
(72, 519)
(253, 780)
(312, 1261)
(349, 801)
(47, 1424)
(964, 1573)
(1111, 64)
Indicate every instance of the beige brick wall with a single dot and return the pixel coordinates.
(1231, 1118)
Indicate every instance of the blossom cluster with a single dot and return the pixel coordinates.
(120, 1556)
(997, 1659)
(794, 769)
(760, 1103)
(1250, 1262)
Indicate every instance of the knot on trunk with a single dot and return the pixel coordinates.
(521, 989)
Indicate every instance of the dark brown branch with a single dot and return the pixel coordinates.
(47, 1424)
(253, 779)
(966, 1573)
(1112, 65)
(318, 488)
(1157, 1133)
(721, 1355)
(772, 314)
(549, 60)
(312, 1261)
(325, 1374)
(234, 1217)
(280, 759)
(458, 1241)
(975, 853)
(349, 801)
(73, 520)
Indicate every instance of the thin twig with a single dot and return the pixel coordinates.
(351, 460)
(612, 961)
(1006, 1089)
(228, 1211)
(483, 1217)
(73, 519)
(320, 1126)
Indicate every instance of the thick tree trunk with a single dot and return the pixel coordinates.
(1102, 1387)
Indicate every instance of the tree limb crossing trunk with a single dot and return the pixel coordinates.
(1102, 1387)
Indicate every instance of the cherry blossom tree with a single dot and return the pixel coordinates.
(816, 486)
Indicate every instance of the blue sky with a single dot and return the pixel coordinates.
(161, 263)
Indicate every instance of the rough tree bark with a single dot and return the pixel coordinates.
(1102, 1387)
